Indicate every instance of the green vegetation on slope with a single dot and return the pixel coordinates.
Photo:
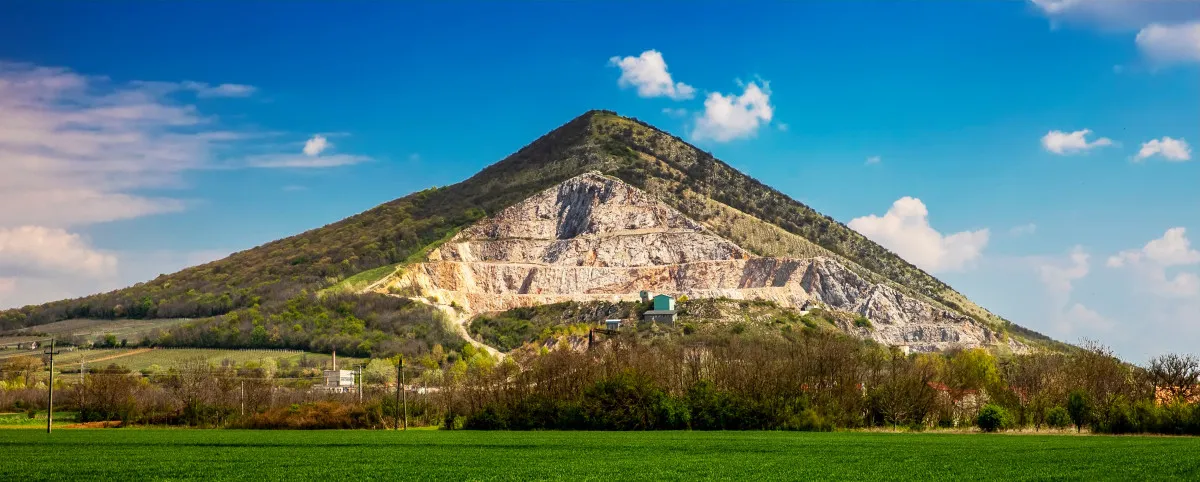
(120, 454)
(271, 276)
(509, 330)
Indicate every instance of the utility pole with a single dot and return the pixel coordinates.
(399, 369)
(405, 392)
(242, 397)
(360, 385)
(50, 401)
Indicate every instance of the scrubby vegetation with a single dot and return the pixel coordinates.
(514, 328)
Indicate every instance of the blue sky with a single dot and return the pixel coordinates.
(149, 136)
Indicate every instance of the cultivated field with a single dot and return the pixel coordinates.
(123, 454)
(166, 358)
(131, 330)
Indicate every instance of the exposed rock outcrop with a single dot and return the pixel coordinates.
(596, 238)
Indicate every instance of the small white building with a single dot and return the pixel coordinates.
(339, 381)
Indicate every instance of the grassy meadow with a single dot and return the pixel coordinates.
(122, 454)
(138, 359)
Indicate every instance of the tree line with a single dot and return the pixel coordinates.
(812, 381)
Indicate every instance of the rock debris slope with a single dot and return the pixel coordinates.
(594, 237)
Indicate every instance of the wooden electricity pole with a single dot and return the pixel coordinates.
(399, 369)
(50, 397)
(405, 392)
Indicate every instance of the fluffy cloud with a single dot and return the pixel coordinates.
(1167, 44)
(1172, 249)
(648, 73)
(1117, 14)
(1067, 143)
(34, 250)
(1152, 262)
(1058, 277)
(1174, 150)
(315, 145)
(729, 117)
(905, 230)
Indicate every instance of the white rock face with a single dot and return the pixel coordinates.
(597, 238)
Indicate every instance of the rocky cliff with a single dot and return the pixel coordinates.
(594, 237)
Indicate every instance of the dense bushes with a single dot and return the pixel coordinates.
(993, 418)
(1058, 418)
(318, 415)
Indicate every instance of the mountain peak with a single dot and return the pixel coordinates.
(737, 208)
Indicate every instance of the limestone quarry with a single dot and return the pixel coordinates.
(594, 237)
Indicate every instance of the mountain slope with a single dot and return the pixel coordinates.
(735, 206)
(596, 238)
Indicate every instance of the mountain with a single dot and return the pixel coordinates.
(267, 296)
(597, 238)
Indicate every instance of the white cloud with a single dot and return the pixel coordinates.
(905, 230)
(316, 144)
(1079, 318)
(874, 160)
(37, 251)
(1172, 249)
(1174, 150)
(223, 90)
(1023, 230)
(1167, 44)
(1067, 143)
(1151, 263)
(75, 147)
(77, 150)
(1117, 14)
(648, 73)
(729, 117)
(1058, 277)
(304, 162)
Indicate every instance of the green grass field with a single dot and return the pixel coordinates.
(124, 454)
(165, 358)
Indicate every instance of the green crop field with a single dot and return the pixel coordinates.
(124, 454)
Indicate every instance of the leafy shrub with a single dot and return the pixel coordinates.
(1080, 408)
(1057, 417)
(993, 418)
(862, 322)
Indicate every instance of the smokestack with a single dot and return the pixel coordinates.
(335, 359)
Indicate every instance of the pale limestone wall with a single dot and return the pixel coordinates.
(597, 238)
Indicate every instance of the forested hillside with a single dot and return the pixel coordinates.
(266, 283)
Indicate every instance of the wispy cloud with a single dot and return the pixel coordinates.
(1023, 230)
(872, 160)
(79, 149)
